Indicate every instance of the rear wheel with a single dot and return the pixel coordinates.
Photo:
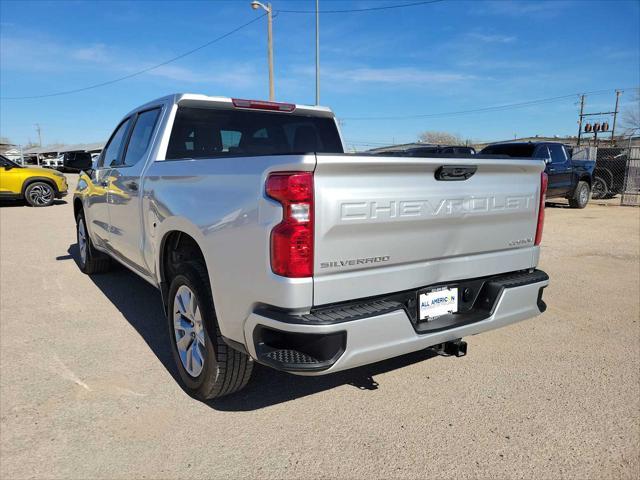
(600, 188)
(39, 194)
(580, 196)
(90, 260)
(207, 366)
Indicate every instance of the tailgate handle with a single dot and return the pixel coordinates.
(455, 172)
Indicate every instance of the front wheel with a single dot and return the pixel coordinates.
(39, 194)
(580, 196)
(90, 260)
(207, 366)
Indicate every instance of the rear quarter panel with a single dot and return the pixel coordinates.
(221, 204)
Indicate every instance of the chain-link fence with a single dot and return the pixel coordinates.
(610, 172)
(631, 187)
(617, 172)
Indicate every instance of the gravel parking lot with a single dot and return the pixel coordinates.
(88, 387)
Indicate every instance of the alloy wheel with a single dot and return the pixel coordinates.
(82, 241)
(41, 194)
(584, 195)
(189, 331)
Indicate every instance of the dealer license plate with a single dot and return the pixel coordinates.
(438, 302)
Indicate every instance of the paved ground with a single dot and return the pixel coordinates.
(87, 387)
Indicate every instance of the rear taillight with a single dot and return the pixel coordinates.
(292, 238)
(263, 105)
(544, 181)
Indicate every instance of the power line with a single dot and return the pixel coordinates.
(496, 108)
(139, 72)
(369, 9)
(204, 45)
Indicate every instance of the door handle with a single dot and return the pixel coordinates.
(455, 172)
(132, 186)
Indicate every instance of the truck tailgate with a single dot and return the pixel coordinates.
(386, 224)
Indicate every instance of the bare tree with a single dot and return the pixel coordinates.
(631, 115)
(441, 138)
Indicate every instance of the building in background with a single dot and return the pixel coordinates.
(46, 155)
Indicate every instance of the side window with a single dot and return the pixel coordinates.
(557, 154)
(112, 151)
(542, 152)
(141, 136)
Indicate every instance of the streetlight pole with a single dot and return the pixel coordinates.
(267, 8)
(317, 52)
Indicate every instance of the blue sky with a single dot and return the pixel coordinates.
(442, 57)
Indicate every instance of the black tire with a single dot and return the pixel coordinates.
(224, 370)
(580, 196)
(91, 261)
(40, 194)
(599, 189)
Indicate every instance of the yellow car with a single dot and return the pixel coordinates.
(38, 186)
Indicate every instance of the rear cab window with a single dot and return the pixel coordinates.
(513, 150)
(210, 133)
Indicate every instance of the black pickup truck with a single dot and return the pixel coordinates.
(568, 178)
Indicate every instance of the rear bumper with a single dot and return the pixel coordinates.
(348, 336)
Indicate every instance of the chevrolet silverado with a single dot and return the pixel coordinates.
(269, 244)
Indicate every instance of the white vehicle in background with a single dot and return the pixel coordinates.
(52, 162)
(268, 243)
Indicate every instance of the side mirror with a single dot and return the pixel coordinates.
(547, 160)
(8, 167)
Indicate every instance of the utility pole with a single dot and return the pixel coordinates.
(317, 52)
(596, 127)
(580, 121)
(615, 116)
(39, 130)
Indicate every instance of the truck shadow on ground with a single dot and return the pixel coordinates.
(140, 304)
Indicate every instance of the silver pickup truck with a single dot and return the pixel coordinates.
(270, 244)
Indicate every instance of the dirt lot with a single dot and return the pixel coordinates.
(88, 389)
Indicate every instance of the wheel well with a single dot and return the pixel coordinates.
(178, 248)
(29, 181)
(587, 179)
(77, 207)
